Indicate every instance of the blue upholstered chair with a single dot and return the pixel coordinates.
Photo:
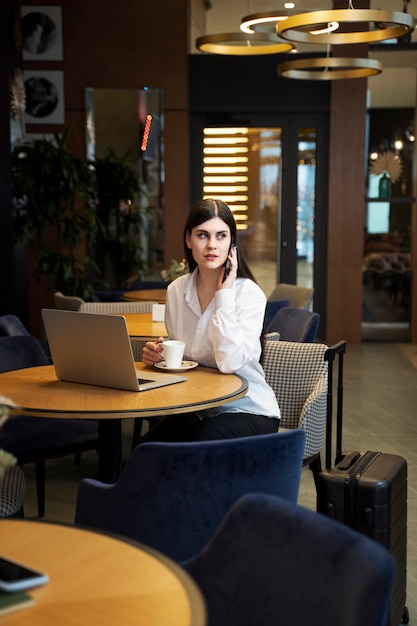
(271, 309)
(172, 496)
(295, 324)
(12, 326)
(37, 439)
(274, 562)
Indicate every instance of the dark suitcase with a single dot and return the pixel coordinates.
(368, 491)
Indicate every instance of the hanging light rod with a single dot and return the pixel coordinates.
(387, 25)
(329, 68)
(241, 44)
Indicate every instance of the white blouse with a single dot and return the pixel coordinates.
(225, 336)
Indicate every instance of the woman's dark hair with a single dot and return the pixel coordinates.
(205, 210)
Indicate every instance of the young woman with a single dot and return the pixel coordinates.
(219, 315)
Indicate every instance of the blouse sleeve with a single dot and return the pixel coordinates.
(170, 298)
(236, 325)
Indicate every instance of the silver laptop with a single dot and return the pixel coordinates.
(95, 349)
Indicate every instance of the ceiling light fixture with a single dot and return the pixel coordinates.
(242, 44)
(326, 29)
(256, 22)
(265, 21)
(329, 68)
(374, 24)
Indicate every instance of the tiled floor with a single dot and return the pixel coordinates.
(380, 400)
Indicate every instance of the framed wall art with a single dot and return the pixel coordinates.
(44, 97)
(42, 33)
(40, 136)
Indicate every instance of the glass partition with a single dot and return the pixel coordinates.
(387, 228)
(306, 201)
(125, 129)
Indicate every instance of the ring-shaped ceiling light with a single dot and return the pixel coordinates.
(266, 22)
(259, 22)
(241, 44)
(329, 68)
(387, 25)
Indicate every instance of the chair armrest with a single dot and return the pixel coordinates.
(313, 418)
(90, 508)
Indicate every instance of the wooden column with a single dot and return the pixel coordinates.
(346, 209)
(346, 214)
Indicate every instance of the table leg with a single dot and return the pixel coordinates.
(109, 449)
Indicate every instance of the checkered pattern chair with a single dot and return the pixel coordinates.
(298, 374)
(12, 491)
(114, 308)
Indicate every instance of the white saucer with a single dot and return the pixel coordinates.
(185, 365)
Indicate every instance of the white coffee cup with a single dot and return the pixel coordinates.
(173, 353)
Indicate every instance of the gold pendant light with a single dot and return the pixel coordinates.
(259, 22)
(242, 44)
(368, 26)
(329, 68)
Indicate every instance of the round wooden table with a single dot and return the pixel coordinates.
(158, 295)
(141, 325)
(98, 580)
(38, 392)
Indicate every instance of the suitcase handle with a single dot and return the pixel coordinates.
(329, 356)
(348, 460)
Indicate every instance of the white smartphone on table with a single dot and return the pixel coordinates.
(15, 576)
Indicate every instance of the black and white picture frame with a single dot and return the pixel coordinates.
(42, 33)
(44, 97)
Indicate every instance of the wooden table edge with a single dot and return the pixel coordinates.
(198, 612)
(140, 412)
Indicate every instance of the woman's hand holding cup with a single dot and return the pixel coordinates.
(152, 351)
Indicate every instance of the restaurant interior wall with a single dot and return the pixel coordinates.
(126, 46)
(130, 47)
(8, 289)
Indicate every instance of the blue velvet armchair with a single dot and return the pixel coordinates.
(172, 496)
(295, 324)
(37, 439)
(272, 562)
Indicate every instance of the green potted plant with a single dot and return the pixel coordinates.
(54, 213)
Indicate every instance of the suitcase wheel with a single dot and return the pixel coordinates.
(406, 616)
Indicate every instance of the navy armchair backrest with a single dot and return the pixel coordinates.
(295, 324)
(10, 325)
(21, 351)
(274, 562)
(172, 496)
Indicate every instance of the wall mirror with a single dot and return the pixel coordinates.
(126, 126)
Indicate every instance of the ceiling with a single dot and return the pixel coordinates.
(395, 87)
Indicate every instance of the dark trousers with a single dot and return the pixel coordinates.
(189, 427)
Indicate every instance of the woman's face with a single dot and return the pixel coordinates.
(209, 243)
